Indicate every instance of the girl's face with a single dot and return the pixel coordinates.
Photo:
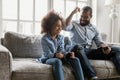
(57, 28)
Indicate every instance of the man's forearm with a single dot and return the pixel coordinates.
(102, 45)
(69, 18)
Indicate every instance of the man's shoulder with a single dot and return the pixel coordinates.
(92, 25)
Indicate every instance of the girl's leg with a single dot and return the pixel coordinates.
(57, 68)
(77, 68)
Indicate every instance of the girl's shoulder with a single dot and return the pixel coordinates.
(45, 37)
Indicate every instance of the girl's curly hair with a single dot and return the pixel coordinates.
(49, 20)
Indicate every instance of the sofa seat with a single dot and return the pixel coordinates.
(104, 69)
(29, 69)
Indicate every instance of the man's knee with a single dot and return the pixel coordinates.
(76, 59)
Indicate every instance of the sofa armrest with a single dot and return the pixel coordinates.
(113, 44)
(5, 63)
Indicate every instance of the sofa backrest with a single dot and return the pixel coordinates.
(104, 38)
(23, 46)
(1, 41)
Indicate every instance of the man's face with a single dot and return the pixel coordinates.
(85, 18)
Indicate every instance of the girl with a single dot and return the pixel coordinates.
(53, 47)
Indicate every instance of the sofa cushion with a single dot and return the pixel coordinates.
(23, 68)
(22, 45)
(29, 69)
(104, 69)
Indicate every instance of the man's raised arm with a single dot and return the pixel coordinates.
(69, 18)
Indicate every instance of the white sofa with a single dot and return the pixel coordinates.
(18, 55)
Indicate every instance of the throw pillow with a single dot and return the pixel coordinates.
(23, 46)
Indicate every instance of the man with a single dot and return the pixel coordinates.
(84, 33)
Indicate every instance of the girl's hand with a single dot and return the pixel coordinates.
(59, 55)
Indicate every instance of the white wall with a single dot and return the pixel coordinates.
(103, 21)
(0, 18)
(94, 7)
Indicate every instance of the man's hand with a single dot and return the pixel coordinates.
(59, 55)
(106, 49)
(77, 9)
(72, 55)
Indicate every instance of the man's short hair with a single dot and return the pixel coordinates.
(88, 8)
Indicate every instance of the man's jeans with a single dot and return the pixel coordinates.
(57, 68)
(114, 56)
(86, 66)
(85, 54)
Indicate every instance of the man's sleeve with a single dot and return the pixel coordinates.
(69, 27)
(98, 39)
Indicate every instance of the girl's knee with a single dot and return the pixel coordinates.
(58, 62)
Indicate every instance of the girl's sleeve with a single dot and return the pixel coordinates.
(46, 49)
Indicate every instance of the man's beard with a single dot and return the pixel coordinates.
(85, 23)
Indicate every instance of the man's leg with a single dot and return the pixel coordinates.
(115, 57)
(86, 66)
(95, 54)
